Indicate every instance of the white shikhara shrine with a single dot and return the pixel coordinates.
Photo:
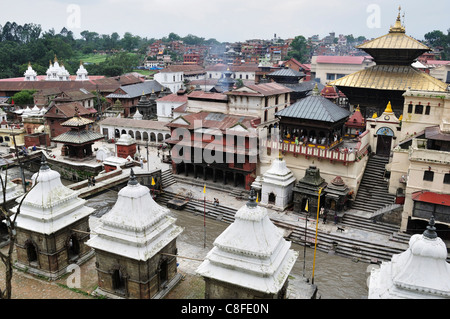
(421, 272)
(50, 206)
(136, 227)
(251, 252)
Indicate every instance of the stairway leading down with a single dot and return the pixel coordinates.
(373, 191)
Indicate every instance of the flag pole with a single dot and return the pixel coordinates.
(315, 243)
(304, 246)
(204, 216)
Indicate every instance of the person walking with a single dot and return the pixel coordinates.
(336, 218)
(93, 181)
(89, 181)
(324, 217)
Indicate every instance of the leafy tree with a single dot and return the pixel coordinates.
(24, 97)
(299, 49)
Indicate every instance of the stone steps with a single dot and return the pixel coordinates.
(373, 190)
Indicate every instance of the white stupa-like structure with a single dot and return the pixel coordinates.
(421, 272)
(250, 255)
(134, 234)
(137, 115)
(50, 206)
(136, 227)
(30, 74)
(277, 184)
(82, 73)
(52, 226)
(57, 72)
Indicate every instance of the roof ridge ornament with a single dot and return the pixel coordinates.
(133, 180)
(398, 27)
(252, 199)
(44, 165)
(430, 232)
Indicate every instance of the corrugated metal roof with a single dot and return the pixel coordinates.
(315, 108)
(135, 90)
(77, 121)
(391, 77)
(287, 72)
(75, 137)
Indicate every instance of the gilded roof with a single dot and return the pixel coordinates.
(391, 77)
(393, 41)
(77, 121)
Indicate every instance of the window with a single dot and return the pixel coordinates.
(427, 110)
(428, 176)
(410, 108)
(447, 178)
(330, 76)
(338, 76)
(418, 109)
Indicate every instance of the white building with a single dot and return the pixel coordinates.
(250, 259)
(52, 226)
(174, 76)
(130, 242)
(57, 72)
(30, 74)
(165, 106)
(276, 185)
(82, 73)
(421, 272)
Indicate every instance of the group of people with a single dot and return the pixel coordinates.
(324, 214)
(91, 181)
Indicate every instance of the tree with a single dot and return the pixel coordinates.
(24, 97)
(10, 221)
(299, 49)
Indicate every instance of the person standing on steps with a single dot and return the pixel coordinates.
(324, 217)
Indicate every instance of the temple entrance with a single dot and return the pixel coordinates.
(31, 252)
(384, 140)
(73, 247)
(163, 272)
(272, 198)
(118, 282)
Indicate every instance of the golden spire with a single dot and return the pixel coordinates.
(357, 109)
(374, 116)
(400, 118)
(388, 108)
(56, 59)
(397, 28)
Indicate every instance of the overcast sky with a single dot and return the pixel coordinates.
(230, 20)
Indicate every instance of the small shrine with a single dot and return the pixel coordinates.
(126, 146)
(30, 74)
(52, 227)
(147, 106)
(82, 73)
(337, 195)
(277, 184)
(306, 191)
(57, 72)
(420, 272)
(356, 124)
(250, 259)
(77, 142)
(135, 246)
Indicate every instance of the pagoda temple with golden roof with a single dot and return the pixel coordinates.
(374, 87)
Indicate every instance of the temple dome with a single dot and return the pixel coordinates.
(420, 272)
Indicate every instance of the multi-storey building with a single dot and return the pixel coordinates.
(420, 167)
